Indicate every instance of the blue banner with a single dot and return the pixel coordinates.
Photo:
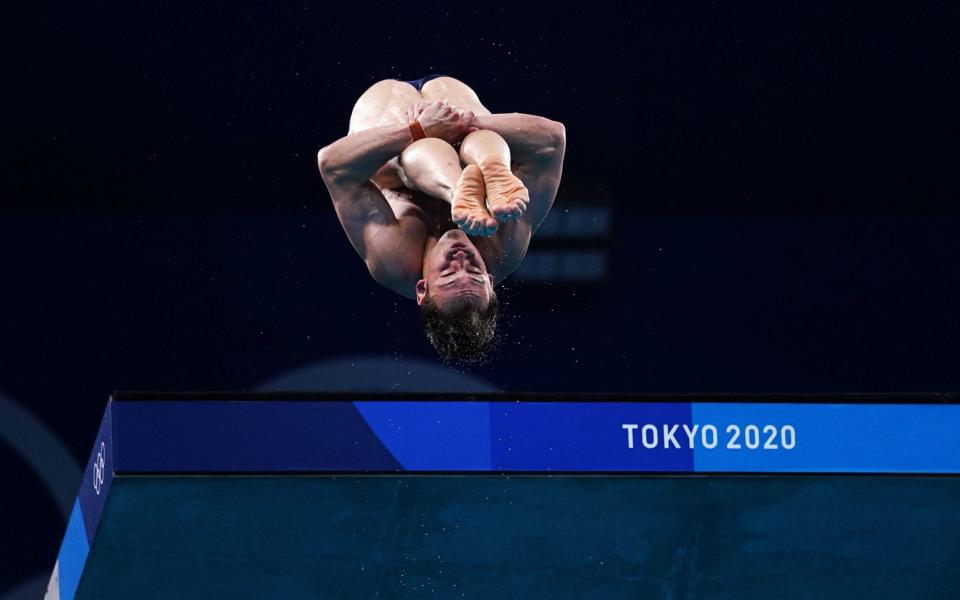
(534, 436)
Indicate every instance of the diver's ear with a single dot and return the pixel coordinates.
(490, 275)
(421, 291)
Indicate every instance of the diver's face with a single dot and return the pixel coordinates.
(455, 275)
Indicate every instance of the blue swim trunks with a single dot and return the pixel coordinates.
(418, 83)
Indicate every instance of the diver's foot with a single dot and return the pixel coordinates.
(468, 209)
(507, 197)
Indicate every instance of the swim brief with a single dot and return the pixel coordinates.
(418, 83)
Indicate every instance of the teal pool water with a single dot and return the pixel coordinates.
(527, 537)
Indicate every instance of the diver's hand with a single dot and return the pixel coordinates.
(442, 120)
(416, 110)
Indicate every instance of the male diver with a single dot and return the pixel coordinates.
(438, 224)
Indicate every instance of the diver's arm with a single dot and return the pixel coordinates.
(356, 157)
(542, 180)
(391, 248)
(532, 139)
(367, 218)
(363, 212)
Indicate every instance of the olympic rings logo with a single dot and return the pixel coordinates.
(99, 466)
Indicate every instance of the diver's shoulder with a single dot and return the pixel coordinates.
(397, 267)
(393, 277)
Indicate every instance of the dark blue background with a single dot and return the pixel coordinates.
(783, 180)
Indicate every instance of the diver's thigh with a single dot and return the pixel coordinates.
(384, 103)
(455, 92)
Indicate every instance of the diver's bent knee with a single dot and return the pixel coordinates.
(426, 147)
(429, 143)
(443, 83)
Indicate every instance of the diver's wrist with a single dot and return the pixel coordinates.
(416, 130)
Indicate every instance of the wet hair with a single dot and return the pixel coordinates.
(463, 336)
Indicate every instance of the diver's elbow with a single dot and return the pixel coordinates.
(556, 142)
(559, 131)
(330, 170)
(323, 161)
